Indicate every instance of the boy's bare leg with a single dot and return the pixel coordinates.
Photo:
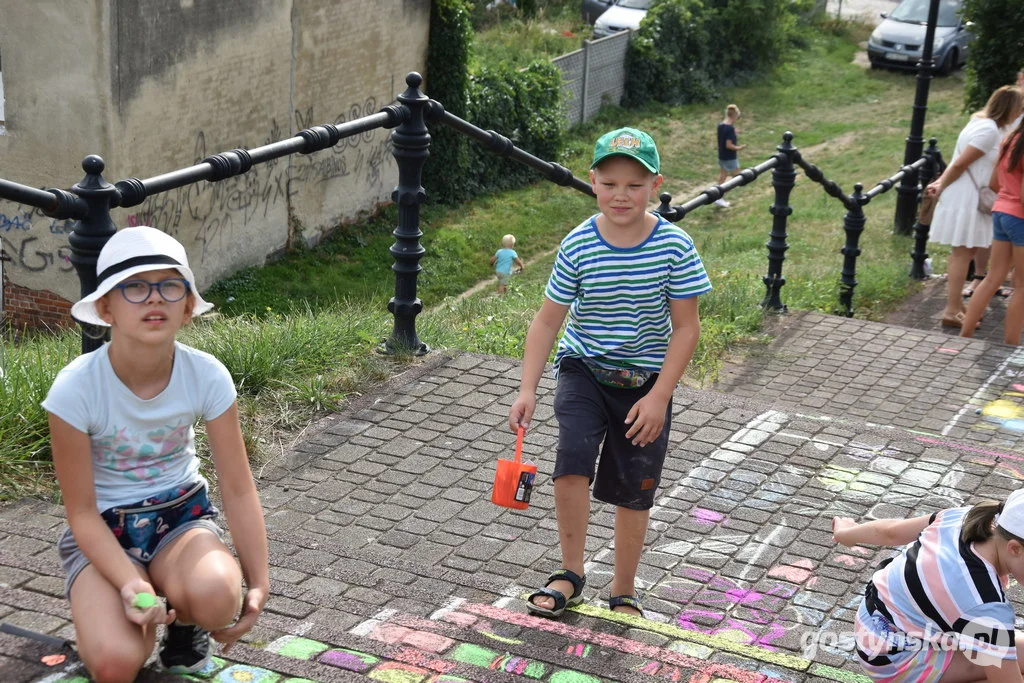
(630, 533)
(572, 507)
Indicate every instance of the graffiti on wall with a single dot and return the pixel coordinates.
(20, 228)
(218, 210)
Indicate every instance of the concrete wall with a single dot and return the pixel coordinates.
(57, 109)
(156, 85)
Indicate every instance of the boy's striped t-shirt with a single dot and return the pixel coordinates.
(618, 298)
(939, 586)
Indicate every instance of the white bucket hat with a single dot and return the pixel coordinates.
(1012, 517)
(129, 252)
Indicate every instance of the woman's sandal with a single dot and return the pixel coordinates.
(957, 321)
(561, 602)
(626, 601)
(968, 290)
(1004, 292)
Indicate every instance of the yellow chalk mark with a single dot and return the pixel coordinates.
(1003, 409)
(501, 639)
(691, 649)
(715, 641)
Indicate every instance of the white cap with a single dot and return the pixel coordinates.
(1012, 517)
(132, 251)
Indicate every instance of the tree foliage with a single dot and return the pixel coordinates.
(447, 81)
(997, 52)
(521, 104)
(686, 49)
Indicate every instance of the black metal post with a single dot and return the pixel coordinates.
(783, 180)
(928, 171)
(411, 147)
(906, 201)
(89, 236)
(853, 224)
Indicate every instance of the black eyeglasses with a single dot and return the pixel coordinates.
(138, 291)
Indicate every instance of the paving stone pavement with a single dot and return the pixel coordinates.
(390, 563)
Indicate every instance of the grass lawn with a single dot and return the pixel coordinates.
(299, 335)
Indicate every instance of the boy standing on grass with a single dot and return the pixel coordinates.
(629, 282)
(728, 160)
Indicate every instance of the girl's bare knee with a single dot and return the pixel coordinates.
(114, 664)
(212, 603)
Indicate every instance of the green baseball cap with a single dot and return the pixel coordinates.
(628, 142)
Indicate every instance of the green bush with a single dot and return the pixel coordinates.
(669, 58)
(686, 49)
(451, 40)
(523, 105)
(998, 48)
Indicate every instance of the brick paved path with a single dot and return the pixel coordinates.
(390, 563)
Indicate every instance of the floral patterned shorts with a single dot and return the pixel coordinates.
(146, 527)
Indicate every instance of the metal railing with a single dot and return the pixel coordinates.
(782, 165)
(89, 202)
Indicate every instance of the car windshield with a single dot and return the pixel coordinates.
(635, 4)
(916, 12)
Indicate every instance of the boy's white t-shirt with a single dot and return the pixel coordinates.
(140, 447)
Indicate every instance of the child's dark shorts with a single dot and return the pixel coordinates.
(591, 421)
(146, 527)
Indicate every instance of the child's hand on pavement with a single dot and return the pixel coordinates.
(646, 419)
(840, 525)
(252, 606)
(522, 411)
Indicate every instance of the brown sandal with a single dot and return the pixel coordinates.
(957, 321)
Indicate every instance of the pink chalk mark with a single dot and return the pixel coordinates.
(621, 644)
(459, 618)
(431, 642)
(577, 650)
(390, 634)
(415, 658)
(1017, 387)
(650, 668)
(850, 561)
(793, 574)
(708, 516)
(943, 349)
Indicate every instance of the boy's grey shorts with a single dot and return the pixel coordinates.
(74, 560)
(591, 421)
(729, 164)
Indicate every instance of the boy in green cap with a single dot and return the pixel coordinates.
(629, 282)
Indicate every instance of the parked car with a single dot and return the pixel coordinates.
(623, 15)
(899, 39)
(592, 9)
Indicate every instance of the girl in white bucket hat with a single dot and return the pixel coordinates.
(938, 611)
(140, 521)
